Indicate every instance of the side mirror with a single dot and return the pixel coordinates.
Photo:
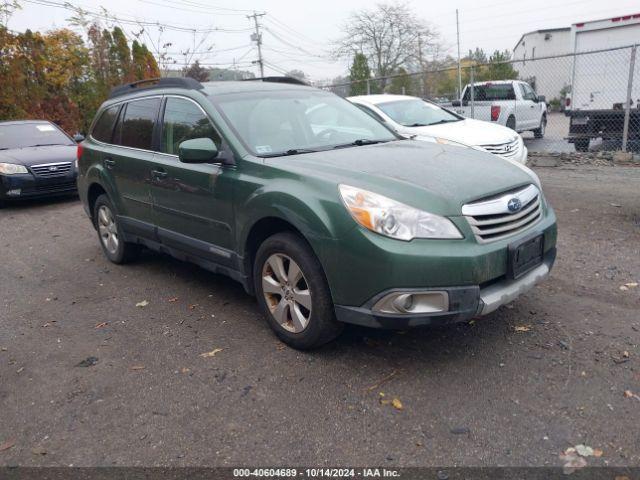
(456, 103)
(197, 150)
(78, 137)
(542, 98)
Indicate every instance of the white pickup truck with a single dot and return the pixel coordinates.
(511, 103)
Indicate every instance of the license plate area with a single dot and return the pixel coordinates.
(525, 256)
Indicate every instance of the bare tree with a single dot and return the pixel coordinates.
(390, 35)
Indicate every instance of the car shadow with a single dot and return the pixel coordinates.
(399, 348)
(39, 202)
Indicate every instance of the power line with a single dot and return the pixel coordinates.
(297, 47)
(130, 21)
(283, 26)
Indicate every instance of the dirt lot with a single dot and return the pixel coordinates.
(473, 394)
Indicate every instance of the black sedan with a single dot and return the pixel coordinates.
(36, 159)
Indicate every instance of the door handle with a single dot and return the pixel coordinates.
(159, 174)
(109, 163)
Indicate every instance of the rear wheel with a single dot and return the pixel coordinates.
(511, 122)
(292, 292)
(540, 131)
(581, 144)
(110, 233)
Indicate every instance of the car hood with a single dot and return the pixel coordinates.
(38, 155)
(434, 177)
(467, 131)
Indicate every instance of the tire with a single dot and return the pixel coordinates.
(301, 314)
(110, 233)
(511, 122)
(581, 144)
(540, 131)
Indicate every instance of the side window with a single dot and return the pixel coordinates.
(103, 129)
(368, 111)
(527, 92)
(184, 120)
(135, 126)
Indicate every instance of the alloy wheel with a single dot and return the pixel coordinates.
(108, 229)
(286, 292)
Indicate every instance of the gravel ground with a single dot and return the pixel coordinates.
(485, 393)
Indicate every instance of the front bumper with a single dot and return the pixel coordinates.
(29, 186)
(465, 302)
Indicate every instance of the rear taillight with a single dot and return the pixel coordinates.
(79, 151)
(495, 113)
(567, 102)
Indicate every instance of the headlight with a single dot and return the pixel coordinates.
(446, 141)
(12, 169)
(394, 219)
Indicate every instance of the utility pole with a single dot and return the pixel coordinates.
(257, 37)
(459, 71)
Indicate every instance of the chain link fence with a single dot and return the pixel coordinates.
(587, 101)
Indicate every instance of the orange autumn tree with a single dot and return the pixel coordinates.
(58, 77)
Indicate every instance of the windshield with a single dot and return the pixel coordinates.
(274, 123)
(416, 113)
(21, 135)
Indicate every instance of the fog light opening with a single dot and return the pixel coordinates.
(406, 303)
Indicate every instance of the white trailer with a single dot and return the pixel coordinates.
(600, 82)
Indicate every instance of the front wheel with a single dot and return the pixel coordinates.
(540, 131)
(292, 292)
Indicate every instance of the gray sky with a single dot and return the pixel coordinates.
(298, 34)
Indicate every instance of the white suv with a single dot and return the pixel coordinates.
(430, 122)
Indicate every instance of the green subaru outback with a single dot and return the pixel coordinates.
(323, 213)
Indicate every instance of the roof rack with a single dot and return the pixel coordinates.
(291, 80)
(151, 83)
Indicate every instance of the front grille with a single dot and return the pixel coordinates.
(507, 150)
(491, 219)
(54, 188)
(50, 170)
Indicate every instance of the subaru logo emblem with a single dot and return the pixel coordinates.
(514, 204)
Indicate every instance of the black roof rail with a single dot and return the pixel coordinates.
(151, 83)
(291, 80)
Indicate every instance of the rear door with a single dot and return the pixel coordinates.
(192, 202)
(130, 161)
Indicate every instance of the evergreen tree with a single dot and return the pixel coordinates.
(359, 73)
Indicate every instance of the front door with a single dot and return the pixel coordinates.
(527, 114)
(192, 202)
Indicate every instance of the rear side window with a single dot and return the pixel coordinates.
(103, 129)
(135, 127)
(184, 120)
(490, 92)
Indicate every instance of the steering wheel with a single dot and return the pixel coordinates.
(327, 133)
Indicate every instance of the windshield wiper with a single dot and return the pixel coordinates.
(443, 121)
(291, 151)
(419, 125)
(47, 145)
(359, 142)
